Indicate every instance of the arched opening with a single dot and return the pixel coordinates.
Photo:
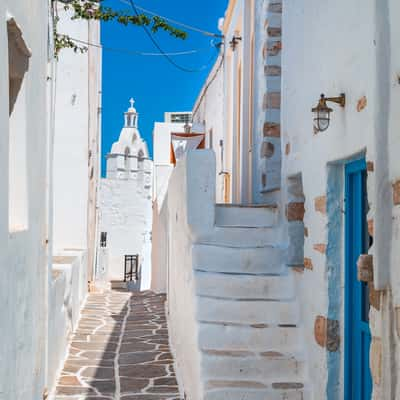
(140, 160)
(127, 161)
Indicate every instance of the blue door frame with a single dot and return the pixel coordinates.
(358, 382)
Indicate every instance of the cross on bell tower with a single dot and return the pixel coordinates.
(131, 116)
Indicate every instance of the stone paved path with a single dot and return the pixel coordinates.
(120, 351)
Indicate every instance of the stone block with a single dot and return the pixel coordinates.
(327, 333)
(308, 263)
(374, 296)
(320, 247)
(272, 100)
(272, 70)
(361, 103)
(274, 32)
(320, 330)
(275, 8)
(267, 150)
(272, 129)
(333, 335)
(365, 271)
(274, 48)
(396, 193)
(376, 360)
(320, 204)
(295, 211)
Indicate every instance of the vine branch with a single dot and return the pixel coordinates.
(94, 10)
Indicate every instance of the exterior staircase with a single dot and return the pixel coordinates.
(247, 313)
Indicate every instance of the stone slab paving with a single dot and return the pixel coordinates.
(120, 351)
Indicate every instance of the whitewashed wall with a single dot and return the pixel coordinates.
(189, 213)
(23, 258)
(208, 110)
(77, 139)
(68, 289)
(162, 173)
(330, 48)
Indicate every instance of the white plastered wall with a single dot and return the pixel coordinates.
(347, 47)
(208, 110)
(23, 259)
(76, 141)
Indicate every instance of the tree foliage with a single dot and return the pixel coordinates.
(94, 10)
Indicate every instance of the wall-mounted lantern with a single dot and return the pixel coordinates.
(322, 111)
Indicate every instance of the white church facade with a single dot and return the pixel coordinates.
(125, 209)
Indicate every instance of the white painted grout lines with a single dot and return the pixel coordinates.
(117, 395)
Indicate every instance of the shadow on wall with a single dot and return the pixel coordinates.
(121, 348)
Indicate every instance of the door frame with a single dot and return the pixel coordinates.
(350, 354)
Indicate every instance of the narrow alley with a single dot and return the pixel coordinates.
(120, 351)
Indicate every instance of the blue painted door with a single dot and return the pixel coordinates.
(358, 383)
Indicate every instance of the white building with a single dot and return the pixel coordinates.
(208, 110)
(44, 156)
(170, 142)
(125, 206)
(24, 198)
(178, 117)
(76, 177)
(296, 296)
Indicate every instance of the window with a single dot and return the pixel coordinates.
(140, 160)
(18, 65)
(103, 239)
(181, 118)
(127, 161)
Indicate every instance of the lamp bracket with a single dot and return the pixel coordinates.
(341, 100)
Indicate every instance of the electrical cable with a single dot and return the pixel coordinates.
(135, 52)
(186, 26)
(170, 60)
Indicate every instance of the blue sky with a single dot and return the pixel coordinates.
(156, 85)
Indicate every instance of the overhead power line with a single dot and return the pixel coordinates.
(175, 22)
(153, 40)
(139, 53)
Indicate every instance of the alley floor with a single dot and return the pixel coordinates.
(120, 351)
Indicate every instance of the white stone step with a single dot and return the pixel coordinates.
(244, 393)
(239, 260)
(242, 237)
(246, 337)
(269, 368)
(244, 286)
(118, 285)
(246, 312)
(234, 215)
